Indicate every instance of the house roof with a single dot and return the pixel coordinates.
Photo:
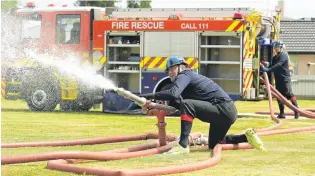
(298, 35)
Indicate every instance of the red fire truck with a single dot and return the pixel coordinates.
(225, 45)
(132, 46)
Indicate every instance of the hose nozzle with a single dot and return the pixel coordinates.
(127, 94)
(141, 101)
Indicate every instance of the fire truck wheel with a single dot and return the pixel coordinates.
(75, 106)
(42, 98)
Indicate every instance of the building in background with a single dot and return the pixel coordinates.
(298, 36)
(299, 39)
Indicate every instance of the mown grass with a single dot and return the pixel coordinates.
(288, 154)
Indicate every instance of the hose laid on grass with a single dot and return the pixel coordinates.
(62, 163)
(92, 141)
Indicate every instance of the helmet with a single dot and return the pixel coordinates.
(279, 43)
(175, 60)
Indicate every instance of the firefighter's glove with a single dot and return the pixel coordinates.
(147, 107)
(263, 68)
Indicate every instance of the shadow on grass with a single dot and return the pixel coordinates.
(104, 113)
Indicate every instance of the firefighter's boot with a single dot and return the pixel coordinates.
(294, 102)
(281, 109)
(254, 139)
(177, 150)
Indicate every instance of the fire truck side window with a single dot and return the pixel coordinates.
(31, 27)
(68, 29)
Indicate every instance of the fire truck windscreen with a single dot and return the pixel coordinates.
(138, 25)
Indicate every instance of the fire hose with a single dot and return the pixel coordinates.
(64, 160)
(142, 101)
(286, 113)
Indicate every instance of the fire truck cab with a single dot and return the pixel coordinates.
(225, 45)
(56, 32)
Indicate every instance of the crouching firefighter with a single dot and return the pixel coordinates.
(280, 68)
(199, 97)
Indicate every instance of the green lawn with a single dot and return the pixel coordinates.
(289, 154)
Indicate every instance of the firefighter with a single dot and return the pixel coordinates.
(280, 68)
(201, 98)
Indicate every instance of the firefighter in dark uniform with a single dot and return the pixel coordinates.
(200, 97)
(280, 68)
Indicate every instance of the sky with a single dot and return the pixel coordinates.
(292, 8)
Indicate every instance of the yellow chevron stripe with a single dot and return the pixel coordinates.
(248, 84)
(163, 65)
(247, 78)
(251, 80)
(190, 60)
(246, 43)
(233, 25)
(241, 29)
(103, 60)
(144, 61)
(244, 75)
(141, 63)
(195, 66)
(154, 62)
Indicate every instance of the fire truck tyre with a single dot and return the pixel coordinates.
(75, 106)
(42, 98)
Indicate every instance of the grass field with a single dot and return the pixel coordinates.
(288, 154)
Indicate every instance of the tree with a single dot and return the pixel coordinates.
(136, 4)
(103, 3)
(6, 5)
(145, 4)
(133, 4)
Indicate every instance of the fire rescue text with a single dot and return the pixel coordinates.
(138, 25)
(157, 25)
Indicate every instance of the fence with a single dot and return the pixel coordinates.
(303, 86)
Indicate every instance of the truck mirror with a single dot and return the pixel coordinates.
(36, 16)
